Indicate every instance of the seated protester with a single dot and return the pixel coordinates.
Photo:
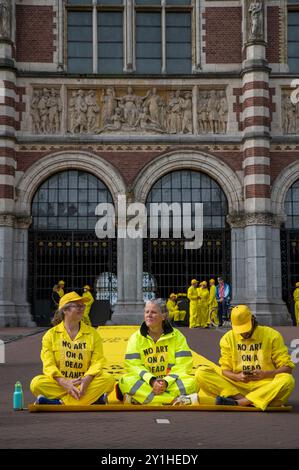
(158, 362)
(174, 313)
(255, 364)
(72, 356)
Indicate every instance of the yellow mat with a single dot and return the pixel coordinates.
(115, 340)
(120, 407)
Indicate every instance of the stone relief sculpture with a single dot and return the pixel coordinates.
(97, 111)
(45, 110)
(5, 19)
(212, 111)
(256, 15)
(290, 115)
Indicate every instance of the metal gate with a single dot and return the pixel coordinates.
(76, 257)
(173, 267)
(289, 240)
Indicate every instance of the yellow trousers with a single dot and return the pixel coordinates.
(194, 314)
(261, 393)
(47, 386)
(203, 313)
(179, 315)
(297, 313)
(142, 392)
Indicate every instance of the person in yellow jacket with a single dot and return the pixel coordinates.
(192, 295)
(296, 300)
(255, 366)
(158, 362)
(203, 305)
(90, 300)
(174, 312)
(73, 360)
(60, 290)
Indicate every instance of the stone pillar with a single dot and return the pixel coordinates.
(7, 307)
(20, 272)
(256, 266)
(129, 307)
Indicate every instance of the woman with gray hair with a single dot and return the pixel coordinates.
(73, 360)
(158, 362)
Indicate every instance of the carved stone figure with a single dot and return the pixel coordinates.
(34, 111)
(290, 115)
(116, 122)
(5, 19)
(202, 111)
(109, 105)
(130, 104)
(174, 110)
(256, 20)
(44, 110)
(80, 123)
(145, 121)
(54, 106)
(93, 110)
(223, 112)
(187, 126)
(213, 114)
(155, 105)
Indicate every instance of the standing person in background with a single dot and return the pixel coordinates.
(203, 305)
(296, 300)
(212, 299)
(61, 288)
(90, 300)
(193, 308)
(223, 298)
(55, 298)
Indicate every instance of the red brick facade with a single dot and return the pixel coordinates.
(34, 33)
(223, 39)
(273, 35)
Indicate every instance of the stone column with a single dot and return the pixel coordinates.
(256, 266)
(129, 307)
(20, 272)
(7, 307)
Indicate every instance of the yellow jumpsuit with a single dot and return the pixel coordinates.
(174, 312)
(265, 350)
(193, 307)
(62, 357)
(60, 292)
(203, 306)
(296, 299)
(169, 358)
(88, 305)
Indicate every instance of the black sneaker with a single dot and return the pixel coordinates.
(225, 401)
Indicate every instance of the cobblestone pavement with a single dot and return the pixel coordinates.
(135, 430)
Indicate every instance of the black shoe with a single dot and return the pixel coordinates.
(118, 393)
(225, 401)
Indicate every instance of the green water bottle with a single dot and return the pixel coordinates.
(18, 397)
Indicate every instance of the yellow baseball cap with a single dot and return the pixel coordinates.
(60, 283)
(203, 283)
(193, 281)
(86, 287)
(241, 317)
(172, 295)
(71, 297)
(212, 281)
(297, 284)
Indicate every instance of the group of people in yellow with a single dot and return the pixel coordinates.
(201, 301)
(255, 366)
(296, 300)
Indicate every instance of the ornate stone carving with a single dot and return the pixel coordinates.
(256, 21)
(5, 19)
(7, 220)
(212, 111)
(242, 219)
(45, 109)
(290, 114)
(23, 222)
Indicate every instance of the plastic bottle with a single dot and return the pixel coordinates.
(18, 397)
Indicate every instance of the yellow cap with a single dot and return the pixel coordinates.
(193, 281)
(86, 287)
(212, 281)
(60, 283)
(203, 283)
(297, 284)
(71, 297)
(241, 317)
(172, 295)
